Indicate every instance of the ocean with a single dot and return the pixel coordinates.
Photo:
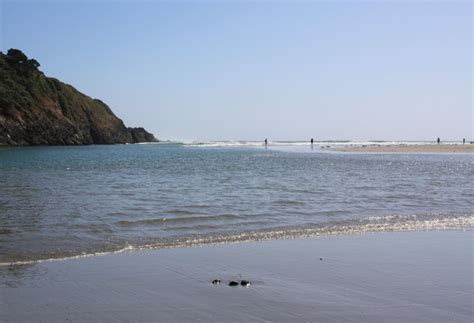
(74, 201)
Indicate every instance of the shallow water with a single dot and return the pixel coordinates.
(60, 202)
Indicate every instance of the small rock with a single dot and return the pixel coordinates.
(233, 283)
(321, 259)
(216, 281)
(245, 283)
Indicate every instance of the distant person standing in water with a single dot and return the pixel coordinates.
(463, 141)
(266, 142)
(439, 141)
(312, 141)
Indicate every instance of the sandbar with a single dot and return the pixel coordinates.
(421, 148)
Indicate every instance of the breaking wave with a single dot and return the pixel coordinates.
(374, 224)
(255, 143)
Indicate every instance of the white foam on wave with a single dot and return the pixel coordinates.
(283, 143)
(391, 223)
(230, 144)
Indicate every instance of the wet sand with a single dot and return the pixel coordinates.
(443, 148)
(389, 277)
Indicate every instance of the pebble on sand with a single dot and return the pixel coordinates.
(245, 283)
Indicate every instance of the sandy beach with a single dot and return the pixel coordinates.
(389, 277)
(442, 148)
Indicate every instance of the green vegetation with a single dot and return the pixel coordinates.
(18, 76)
(35, 110)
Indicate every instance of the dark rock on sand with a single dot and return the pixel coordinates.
(233, 283)
(216, 281)
(245, 283)
(40, 110)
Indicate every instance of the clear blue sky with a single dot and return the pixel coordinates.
(249, 70)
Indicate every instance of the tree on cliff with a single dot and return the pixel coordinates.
(16, 56)
(17, 59)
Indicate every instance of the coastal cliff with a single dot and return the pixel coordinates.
(40, 110)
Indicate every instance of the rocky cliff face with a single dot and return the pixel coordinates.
(40, 110)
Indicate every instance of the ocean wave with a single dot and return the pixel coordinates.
(185, 219)
(251, 143)
(287, 143)
(374, 224)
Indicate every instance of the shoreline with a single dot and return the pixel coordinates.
(370, 225)
(402, 148)
(389, 276)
